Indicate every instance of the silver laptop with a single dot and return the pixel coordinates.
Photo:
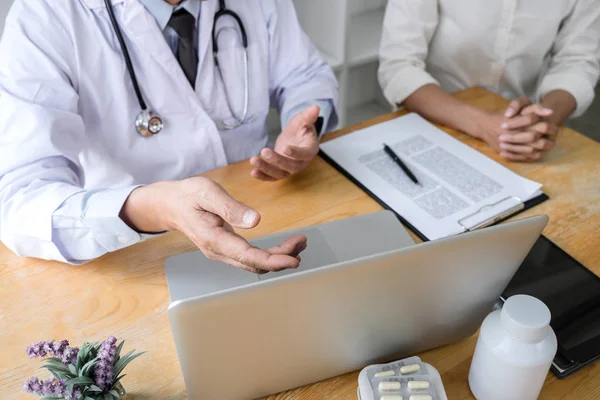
(365, 293)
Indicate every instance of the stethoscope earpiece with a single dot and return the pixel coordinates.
(148, 123)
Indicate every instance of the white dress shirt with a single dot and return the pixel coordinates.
(511, 47)
(70, 154)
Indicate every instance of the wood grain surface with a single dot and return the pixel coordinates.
(125, 293)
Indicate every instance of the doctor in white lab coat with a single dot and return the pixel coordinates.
(77, 180)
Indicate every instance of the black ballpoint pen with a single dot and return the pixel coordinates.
(398, 161)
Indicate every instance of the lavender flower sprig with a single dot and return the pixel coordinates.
(61, 350)
(92, 372)
(103, 372)
(51, 387)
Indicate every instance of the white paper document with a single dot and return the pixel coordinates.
(459, 189)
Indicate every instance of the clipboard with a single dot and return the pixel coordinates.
(468, 224)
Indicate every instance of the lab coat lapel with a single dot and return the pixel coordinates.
(207, 15)
(141, 27)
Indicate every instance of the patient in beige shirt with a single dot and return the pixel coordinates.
(542, 54)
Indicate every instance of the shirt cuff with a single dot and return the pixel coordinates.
(102, 216)
(407, 81)
(326, 111)
(577, 86)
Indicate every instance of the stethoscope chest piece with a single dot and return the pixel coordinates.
(148, 123)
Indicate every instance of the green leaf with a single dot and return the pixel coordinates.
(108, 397)
(94, 389)
(55, 364)
(81, 380)
(122, 363)
(96, 346)
(85, 370)
(119, 348)
(88, 398)
(119, 378)
(73, 370)
(79, 360)
(115, 394)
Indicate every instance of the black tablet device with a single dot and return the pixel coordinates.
(572, 293)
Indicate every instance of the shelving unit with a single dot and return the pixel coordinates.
(347, 33)
(364, 35)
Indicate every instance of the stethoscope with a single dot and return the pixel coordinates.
(149, 123)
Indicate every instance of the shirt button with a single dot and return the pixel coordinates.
(123, 239)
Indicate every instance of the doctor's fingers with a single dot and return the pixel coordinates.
(214, 199)
(258, 174)
(304, 119)
(301, 153)
(293, 246)
(268, 169)
(221, 258)
(233, 246)
(282, 162)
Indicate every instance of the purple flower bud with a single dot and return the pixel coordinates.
(69, 356)
(47, 387)
(60, 388)
(100, 381)
(47, 348)
(103, 370)
(33, 385)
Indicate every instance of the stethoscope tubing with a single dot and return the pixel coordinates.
(149, 123)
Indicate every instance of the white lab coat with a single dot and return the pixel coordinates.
(70, 154)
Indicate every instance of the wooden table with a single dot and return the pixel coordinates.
(125, 293)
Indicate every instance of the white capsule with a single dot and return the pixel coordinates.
(389, 386)
(418, 385)
(409, 369)
(420, 397)
(391, 397)
(384, 373)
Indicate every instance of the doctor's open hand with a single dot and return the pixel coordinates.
(202, 210)
(295, 148)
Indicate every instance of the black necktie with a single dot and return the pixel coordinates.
(184, 24)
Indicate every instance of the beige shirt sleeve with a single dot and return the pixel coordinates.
(408, 27)
(575, 57)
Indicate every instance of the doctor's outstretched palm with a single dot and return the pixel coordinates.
(294, 149)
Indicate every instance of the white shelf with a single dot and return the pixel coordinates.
(363, 112)
(364, 37)
(347, 34)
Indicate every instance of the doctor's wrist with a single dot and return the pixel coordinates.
(147, 208)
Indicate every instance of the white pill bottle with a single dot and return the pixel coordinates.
(514, 351)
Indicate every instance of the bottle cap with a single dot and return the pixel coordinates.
(525, 317)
